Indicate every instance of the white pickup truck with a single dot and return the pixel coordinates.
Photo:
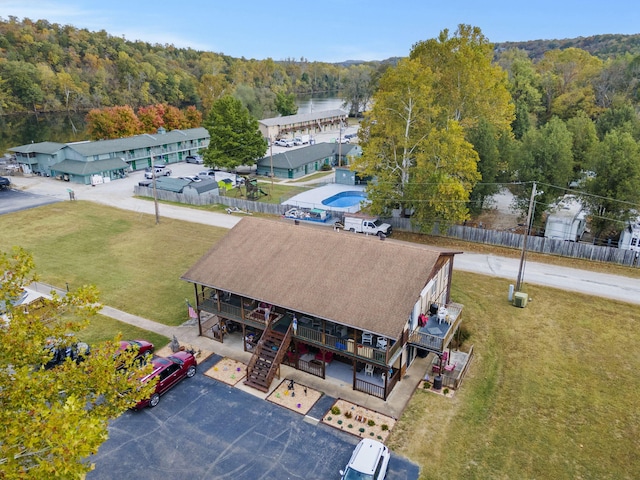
(367, 225)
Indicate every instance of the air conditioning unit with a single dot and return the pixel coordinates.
(520, 299)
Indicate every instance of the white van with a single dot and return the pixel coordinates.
(369, 460)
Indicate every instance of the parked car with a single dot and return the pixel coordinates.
(4, 183)
(207, 174)
(369, 460)
(144, 348)
(60, 351)
(158, 172)
(283, 142)
(191, 178)
(194, 159)
(170, 371)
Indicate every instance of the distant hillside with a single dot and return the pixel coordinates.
(602, 46)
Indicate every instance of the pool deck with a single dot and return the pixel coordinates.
(313, 198)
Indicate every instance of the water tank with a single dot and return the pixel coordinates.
(433, 309)
(437, 382)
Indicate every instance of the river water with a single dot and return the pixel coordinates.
(16, 130)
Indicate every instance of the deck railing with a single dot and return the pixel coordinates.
(344, 346)
(370, 388)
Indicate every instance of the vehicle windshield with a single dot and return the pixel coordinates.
(377, 223)
(352, 474)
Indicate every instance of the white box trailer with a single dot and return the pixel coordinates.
(566, 220)
(630, 236)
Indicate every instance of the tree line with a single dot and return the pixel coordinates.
(456, 120)
(48, 67)
(450, 123)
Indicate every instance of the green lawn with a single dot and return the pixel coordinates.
(552, 389)
(135, 263)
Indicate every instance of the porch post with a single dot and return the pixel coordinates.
(195, 286)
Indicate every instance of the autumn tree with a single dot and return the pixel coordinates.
(235, 138)
(114, 122)
(54, 419)
(211, 88)
(414, 141)
(467, 86)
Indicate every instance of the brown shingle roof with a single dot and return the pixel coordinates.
(348, 278)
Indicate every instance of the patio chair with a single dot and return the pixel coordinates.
(381, 343)
(368, 369)
(435, 368)
(450, 368)
(367, 338)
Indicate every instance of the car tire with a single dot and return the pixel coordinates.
(154, 400)
(191, 371)
(352, 230)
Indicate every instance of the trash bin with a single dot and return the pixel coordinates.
(437, 382)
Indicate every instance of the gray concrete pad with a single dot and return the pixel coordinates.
(205, 429)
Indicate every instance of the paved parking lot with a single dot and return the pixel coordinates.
(205, 429)
(12, 200)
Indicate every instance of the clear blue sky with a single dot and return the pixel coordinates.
(329, 31)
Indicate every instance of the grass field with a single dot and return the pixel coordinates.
(135, 263)
(551, 393)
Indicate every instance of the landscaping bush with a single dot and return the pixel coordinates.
(348, 414)
(335, 410)
(371, 423)
(384, 427)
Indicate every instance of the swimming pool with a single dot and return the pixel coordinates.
(349, 198)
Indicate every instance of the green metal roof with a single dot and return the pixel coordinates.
(145, 140)
(41, 147)
(301, 156)
(74, 167)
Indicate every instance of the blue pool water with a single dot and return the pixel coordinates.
(345, 199)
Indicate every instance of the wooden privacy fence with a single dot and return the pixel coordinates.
(550, 246)
(212, 199)
(585, 251)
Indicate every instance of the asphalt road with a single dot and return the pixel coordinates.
(615, 287)
(205, 429)
(119, 194)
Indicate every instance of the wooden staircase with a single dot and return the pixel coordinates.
(265, 362)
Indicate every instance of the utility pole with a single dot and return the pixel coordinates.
(526, 236)
(271, 161)
(340, 146)
(155, 192)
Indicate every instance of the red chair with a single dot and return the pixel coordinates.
(450, 368)
(328, 356)
(435, 369)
